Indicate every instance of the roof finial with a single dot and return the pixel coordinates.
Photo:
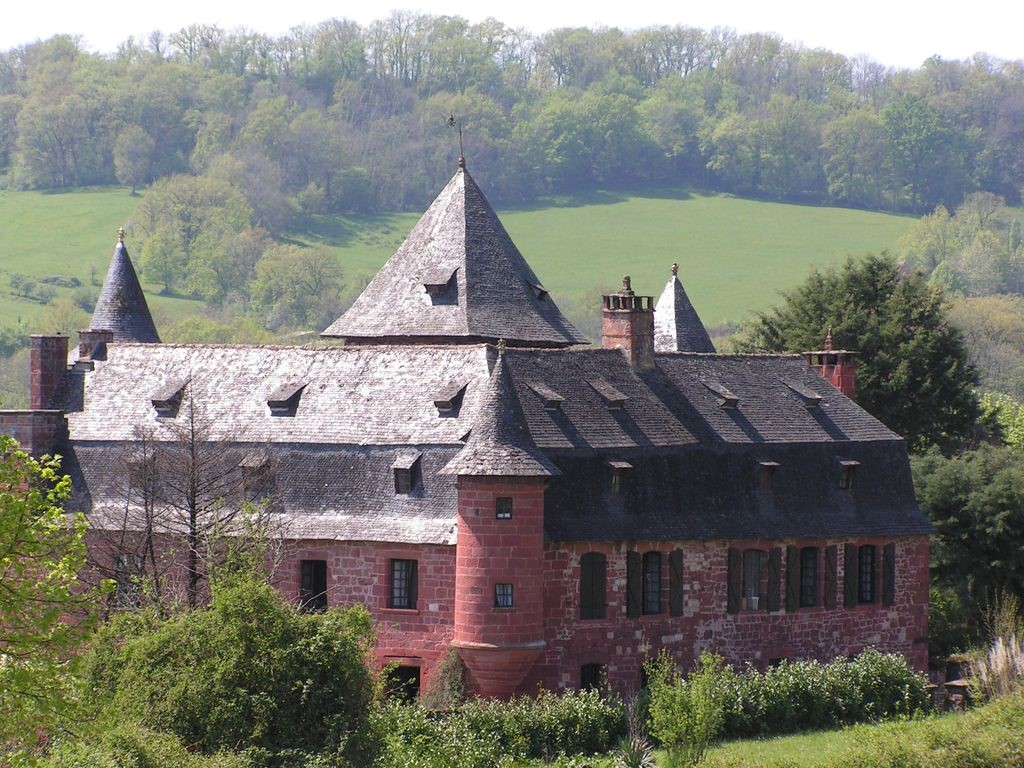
(501, 347)
(828, 340)
(453, 123)
(675, 269)
(120, 234)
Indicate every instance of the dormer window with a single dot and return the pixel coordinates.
(551, 399)
(612, 397)
(438, 282)
(619, 471)
(847, 469)
(406, 469)
(167, 399)
(810, 398)
(284, 401)
(768, 470)
(726, 399)
(449, 400)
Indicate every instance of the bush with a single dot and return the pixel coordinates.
(131, 745)
(687, 715)
(247, 672)
(482, 734)
(806, 695)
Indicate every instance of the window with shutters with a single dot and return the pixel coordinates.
(866, 574)
(593, 567)
(503, 596)
(313, 585)
(652, 583)
(402, 584)
(753, 560)
(808, 577)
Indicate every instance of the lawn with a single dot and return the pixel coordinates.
(735, 255)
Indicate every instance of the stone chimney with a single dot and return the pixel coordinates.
(92, 343)
(627, 323)
(837, 366)
(48, 356)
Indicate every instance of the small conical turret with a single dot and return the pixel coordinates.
(122, 307)
(677, 328)
(500, 443)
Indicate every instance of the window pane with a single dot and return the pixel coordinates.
(751, 573)
(313, 585)
(503, 508)
(592, 586)
(402, 584)
(502, 595)
(652, 582)
(867, 574)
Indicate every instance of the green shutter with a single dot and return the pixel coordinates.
(889, 574)
(774, 602)
(792, 578)
(675, 583)
(831, 575)
(634, 584)
(850, 571)
(735, 581)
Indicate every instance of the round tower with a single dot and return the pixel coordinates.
(499, 561)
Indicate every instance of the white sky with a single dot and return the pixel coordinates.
(900, 33)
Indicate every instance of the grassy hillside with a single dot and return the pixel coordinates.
(734, 255)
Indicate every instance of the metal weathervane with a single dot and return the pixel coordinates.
(455, 123)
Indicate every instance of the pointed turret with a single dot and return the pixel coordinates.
(677, 328)
(500, 443)
(122, 307)
(458, 278)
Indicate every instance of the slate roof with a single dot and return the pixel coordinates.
(677, 328)
(122, 307)
(569, 411)
(500, 443)
(480, 287)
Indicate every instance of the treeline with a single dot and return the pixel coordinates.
(339, 117)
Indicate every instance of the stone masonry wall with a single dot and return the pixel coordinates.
(756, 636)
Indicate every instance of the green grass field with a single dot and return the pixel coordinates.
(735, 255)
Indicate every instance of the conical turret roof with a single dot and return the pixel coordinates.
(499, 443)
(457, 278)
(677, 328)
(122, 307)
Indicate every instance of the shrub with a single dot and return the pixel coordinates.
(448, 687)
(687, 715)
(248, 672)
(131, 745)
(490, 733)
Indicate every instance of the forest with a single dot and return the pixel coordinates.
(339, 117)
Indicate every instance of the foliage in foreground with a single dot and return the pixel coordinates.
(247, 673)
(687, 715)
(44, 611)
(991, 736)
(485, 734)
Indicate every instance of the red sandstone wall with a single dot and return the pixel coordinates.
(758, 637)
(357, 572)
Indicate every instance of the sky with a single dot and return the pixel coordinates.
(898, 33)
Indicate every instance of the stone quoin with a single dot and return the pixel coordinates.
(484, 482)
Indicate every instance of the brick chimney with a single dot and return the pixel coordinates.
(48, 356)
(92, 343)
(837, 366)
(627, 323)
